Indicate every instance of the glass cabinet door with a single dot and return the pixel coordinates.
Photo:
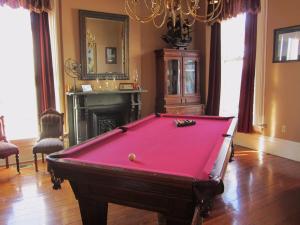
(173, 77)
(190, 81)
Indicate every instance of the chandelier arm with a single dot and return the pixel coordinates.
(213, 15)
(193, 10)
(183, 8)
(159, 2)
(218, 8)
(147, 6)
(142, 19)
(162, 22)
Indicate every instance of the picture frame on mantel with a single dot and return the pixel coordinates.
(286, 44)
(126, 86)
(86, 88)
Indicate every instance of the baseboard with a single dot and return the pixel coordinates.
(275, 146)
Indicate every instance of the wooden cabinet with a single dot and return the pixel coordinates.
(178, 81)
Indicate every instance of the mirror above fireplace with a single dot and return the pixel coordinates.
(103, 45)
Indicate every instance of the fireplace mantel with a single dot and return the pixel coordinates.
(84, 108)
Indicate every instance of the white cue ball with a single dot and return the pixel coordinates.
(131, 156)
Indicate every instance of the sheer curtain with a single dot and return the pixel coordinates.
(17, 85)
(232, 53)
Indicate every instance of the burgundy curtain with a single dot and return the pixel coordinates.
(43, 61)
(214, 89)
(37, 6)
(248, 75)
(231, 8)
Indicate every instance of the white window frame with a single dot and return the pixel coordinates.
(260, 68)
(55, 34)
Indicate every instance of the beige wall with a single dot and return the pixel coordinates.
(70, 33)
(282, 80)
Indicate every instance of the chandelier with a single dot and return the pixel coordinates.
(158, 11)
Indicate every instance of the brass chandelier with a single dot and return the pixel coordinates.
(158, 11)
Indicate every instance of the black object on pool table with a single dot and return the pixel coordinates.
(184, 123)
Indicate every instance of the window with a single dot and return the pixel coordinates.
(17, 85)
(232, 53)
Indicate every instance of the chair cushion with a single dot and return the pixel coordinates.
(7, 149)
(48, 145)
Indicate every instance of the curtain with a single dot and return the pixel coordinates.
(43, 61)
(248, 75)
(231, 8)
(214, 89)
(37, 6)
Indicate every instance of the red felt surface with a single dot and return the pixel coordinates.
(160, 147)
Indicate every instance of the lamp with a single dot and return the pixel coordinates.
(73, 70)
(158, 11)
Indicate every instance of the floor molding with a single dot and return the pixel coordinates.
(275, 146)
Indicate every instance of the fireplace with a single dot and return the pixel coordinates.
(93, 113)
(101, 121)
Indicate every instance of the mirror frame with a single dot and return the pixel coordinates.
(83, 14)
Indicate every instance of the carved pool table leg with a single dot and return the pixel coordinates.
(93, 212)
(56, 181)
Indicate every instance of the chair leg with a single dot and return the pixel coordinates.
(43, 158)
(35, 162)
(6, 162)
(17, 162)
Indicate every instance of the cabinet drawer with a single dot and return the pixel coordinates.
(185, 110)
(173, 100)
(191, 100)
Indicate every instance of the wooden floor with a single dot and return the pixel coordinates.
(260, 189)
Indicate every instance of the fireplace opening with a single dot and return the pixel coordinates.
(100, 121)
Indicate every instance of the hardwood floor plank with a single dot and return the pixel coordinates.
(260, 189)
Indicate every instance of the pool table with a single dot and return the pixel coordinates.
(176, 171)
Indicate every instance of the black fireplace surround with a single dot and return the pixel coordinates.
(93, 113)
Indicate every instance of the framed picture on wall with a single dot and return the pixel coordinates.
(111, 55)
(286, 44)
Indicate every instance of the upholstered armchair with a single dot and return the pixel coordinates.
(51, 138)
(7, 149)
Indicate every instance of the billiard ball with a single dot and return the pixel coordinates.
(131, 156)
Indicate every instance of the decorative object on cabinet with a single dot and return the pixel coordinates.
(73, 70)
(109, 35)
(286, 44)
(178, 36)
(178, 81)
